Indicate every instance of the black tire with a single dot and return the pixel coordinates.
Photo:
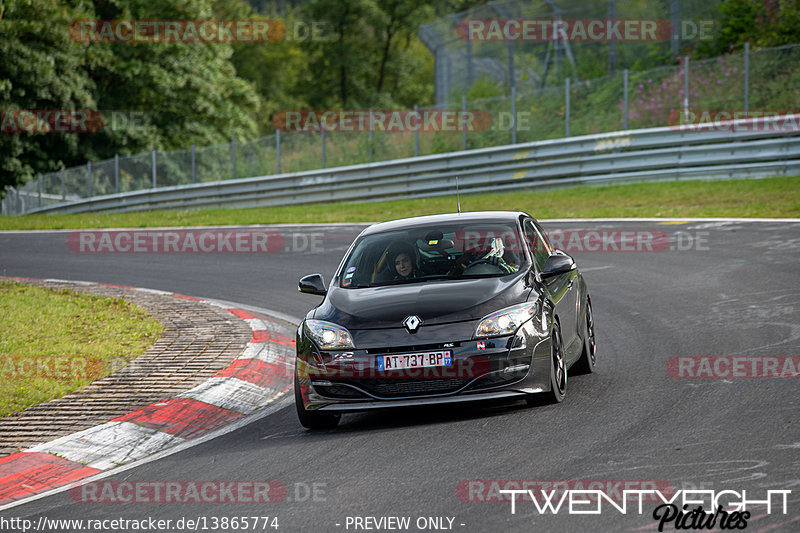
(558, 373)
(312, 419)
(586, 364)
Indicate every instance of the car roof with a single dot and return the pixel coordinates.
(445, 218)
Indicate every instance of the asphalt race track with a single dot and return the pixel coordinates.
(705, 289)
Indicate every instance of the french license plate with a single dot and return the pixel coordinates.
(414, 360)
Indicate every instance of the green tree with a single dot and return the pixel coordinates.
(761, 23)
(188, 91)
(41, 69)
(185, 91)
(276, 69)
(338, 67)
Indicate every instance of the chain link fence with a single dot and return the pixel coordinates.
(465, 49)
(756, 81)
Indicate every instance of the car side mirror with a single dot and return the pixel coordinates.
(557, 264)
(312, 284)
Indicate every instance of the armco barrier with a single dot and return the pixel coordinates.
(730, 150)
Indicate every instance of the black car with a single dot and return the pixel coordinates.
(443, 308)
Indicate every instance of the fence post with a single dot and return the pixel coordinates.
(513, 115)
(233, 155)
(89, 179)
(463, 124)
(612, 46)
(686, 88)
(746, 79)
(322, 137)
(370, 135)
(116, 173)
(416, 132)
(674, 11)
(194, 166)
(63, 188)
(154, 169)
(278, 150)
(566, 108)
(39, 188)
(625, 98)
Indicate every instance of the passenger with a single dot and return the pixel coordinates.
(402, 260)
(403, 265)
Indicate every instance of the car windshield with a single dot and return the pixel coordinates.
(433, 253)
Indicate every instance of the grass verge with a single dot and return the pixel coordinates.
(769, 198)
(53, 342)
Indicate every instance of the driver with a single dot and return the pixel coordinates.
(402, 261)
(474, 257)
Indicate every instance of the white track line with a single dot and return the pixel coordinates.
(365, 224)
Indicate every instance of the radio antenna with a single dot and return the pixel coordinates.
(458, 197)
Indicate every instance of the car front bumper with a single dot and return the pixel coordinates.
(349, 380)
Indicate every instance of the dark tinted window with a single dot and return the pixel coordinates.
(537, 245)
(434, 253)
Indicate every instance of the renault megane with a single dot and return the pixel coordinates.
(443, 308)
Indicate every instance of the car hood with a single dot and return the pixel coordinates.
(436, 302)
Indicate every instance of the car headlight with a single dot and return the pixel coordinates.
(505, 321)
(328, 335)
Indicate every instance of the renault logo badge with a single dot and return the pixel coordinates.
(412, 323)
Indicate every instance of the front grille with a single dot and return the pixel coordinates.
(410, 387)
(498, 378)
(337, 391)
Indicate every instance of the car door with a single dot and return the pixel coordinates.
(562, 289)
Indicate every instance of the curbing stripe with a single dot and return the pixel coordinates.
(257, 377)
(154, 291)
(261, 335)
(232, 394)
(25, 473)
(108, 445)
(257, 324)
(241, 313)
(257, 372)
(182, 417)
(264, 351)
(184, 297)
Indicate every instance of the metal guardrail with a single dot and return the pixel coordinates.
(747, 148)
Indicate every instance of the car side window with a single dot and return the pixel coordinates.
(537, 245)
(543, 234)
